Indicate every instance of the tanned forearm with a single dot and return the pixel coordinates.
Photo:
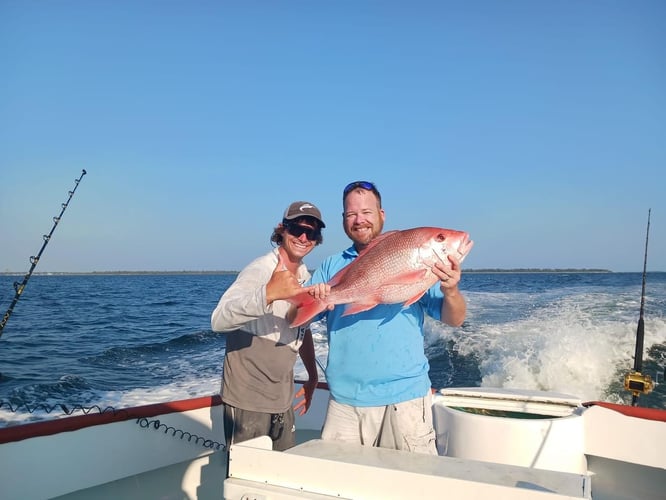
(454, 307)
(307, 354)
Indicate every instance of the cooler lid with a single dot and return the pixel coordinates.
(521, 400)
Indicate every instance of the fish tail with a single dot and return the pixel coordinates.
(307, 308)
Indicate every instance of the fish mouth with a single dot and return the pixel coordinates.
(464, 248)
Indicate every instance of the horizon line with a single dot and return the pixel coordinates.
(194, 272)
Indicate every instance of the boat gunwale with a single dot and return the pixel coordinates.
(110, 415)
(72, 423)
(656, 414)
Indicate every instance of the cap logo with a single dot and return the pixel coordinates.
(303, 207)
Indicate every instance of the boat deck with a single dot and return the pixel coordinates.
(329, 469)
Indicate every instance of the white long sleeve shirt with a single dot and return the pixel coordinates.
(260, 352)
(243, 306)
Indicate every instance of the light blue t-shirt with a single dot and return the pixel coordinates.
(376, 357)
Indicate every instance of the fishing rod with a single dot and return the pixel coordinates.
(19, 287)
(635, 381)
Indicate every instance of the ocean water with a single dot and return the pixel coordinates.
(97, 341)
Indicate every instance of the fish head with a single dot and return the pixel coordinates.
(442, 242)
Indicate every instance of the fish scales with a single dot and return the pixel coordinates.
(394, 268)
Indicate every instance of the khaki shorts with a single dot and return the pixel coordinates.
(402, 426)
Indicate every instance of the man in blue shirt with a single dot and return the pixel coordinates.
(377, 370)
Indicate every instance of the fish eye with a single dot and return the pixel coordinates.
(440, 237)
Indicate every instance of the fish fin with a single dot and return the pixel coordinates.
(405, 278)
(414, 299)
(411, 276)
(358, 307)
(307, 308)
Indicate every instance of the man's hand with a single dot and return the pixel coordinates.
(283, 284)
(306, 393)
(449, 276)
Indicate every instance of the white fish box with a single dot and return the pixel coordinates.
(543, 430)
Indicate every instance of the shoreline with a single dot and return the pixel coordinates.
(466, 271)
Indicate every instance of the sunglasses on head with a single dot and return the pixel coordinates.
(359, 184)
(296, 230)
(368, 186)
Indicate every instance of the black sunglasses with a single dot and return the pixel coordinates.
(296, 230)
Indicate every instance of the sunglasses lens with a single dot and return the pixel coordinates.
(362, 184)
(296, 231)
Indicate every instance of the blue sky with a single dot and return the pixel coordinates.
(539, 127)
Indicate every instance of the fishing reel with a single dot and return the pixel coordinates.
(637, 383)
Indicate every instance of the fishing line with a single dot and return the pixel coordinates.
(19, 287)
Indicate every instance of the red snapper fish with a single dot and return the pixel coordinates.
(394, 268)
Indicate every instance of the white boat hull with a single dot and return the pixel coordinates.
(175, 450)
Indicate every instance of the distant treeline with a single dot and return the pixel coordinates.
(537, 270)
(489, 270)
(124, 273)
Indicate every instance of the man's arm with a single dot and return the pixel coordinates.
(454, 307)
(307, 353)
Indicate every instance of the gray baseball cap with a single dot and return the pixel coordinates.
(303, 209)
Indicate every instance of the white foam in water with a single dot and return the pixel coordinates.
(185, 389)
(193, 383)
(576, 345)
(575, 339)
(189, 387)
